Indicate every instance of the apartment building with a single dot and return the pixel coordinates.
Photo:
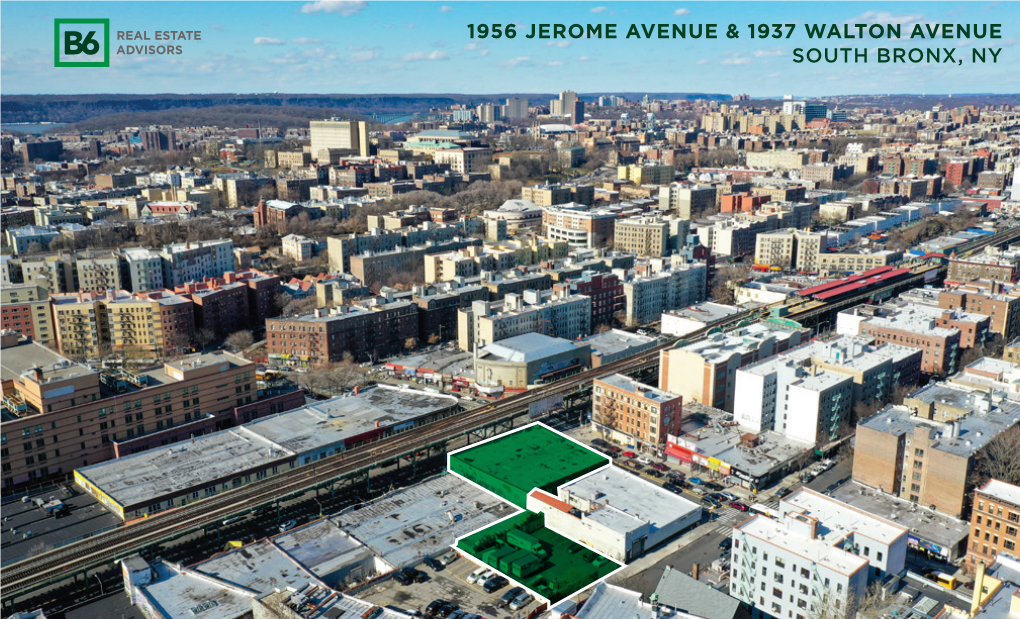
(298, 248)
(341, 249)
(993, 264)
(96, 269)
(60, 415)
(1003, 310)
(994, 523)
(789, 249)
(553, 194)
(855, 261)
(817, 558)
(627, 411)
(437, 309)
(188, 262)
(375, 267)
(143, 269)
(807, 393)
(604, 289)
(346, 135)
(940, 345)
(465, 160)
(579, 226)
(705, 371)
(367, 332)
(647, 174)
(644, 236)
(925, 450)
(678, 284)
(485, 322)
(778, 159)
(25, 308)
(153, 323)
(683, 199)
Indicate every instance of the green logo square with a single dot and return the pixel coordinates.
(81, 42)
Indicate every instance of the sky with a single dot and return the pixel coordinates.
(363, 47)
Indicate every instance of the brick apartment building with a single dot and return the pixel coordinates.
(940, 344)
(604, 289)
(234, 302)
(994, 523)
(983, 298)
(324, 336)
(59, 415)
(627, 410)
(25, 308)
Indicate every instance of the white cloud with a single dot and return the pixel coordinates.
(470, 47)
(768, 53)
(885, 17)
(217, 27)
(965, 43)
(584, 59)
(555, 63)
(681, 12)
(736, 60)
(484, 53)
(268, 41)
(558, 44)
(363, 56)
(703, 61)
(446, 8)
(523, 61)
(436, 55)
(306, 41)
(600, 9)
(344, 8)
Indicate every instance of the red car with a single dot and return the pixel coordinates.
(629, 454)
(660, 467)
(737, 505)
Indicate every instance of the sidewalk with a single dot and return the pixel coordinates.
(650, 559)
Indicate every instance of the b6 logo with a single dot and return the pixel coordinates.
(81, 42)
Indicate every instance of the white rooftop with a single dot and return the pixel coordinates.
(1001, 490)
(837, 519)
(626, 501)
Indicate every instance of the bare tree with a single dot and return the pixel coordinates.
(411, 343)
(998, 460)
(727, 280)
(239, 340)
(434, 338)
(204, 337)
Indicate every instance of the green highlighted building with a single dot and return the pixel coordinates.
(542, 560)
(521, 547)
(511, 466)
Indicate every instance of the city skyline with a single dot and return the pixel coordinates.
(374, 48)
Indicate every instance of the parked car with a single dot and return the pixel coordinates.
(644, 461)
(671, 488)
(629, 454)
(726, 544)
(512, 594)
(828, 464)
(434, 607)
(737, 505)
(729, 496)
(433, 564)
(403, 577)
(448, 609)
(783, 492)
(476, 575)
(707, 500)
(484, 578)
(633, 464)
(494, 584)
(449, 558)
(521, 601)
(599, 442)
(658, 466)
(654, 473)
(696, 481)
(711, 485)
(718, 496)
(613, 449)
(287, 526)
(419, 576)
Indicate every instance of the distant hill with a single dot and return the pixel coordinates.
(281, 117)
(76, 108)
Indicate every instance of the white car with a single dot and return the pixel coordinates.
(474, 576)
(644, 461)
(486, 577)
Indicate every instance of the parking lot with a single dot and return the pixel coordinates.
(448, 584)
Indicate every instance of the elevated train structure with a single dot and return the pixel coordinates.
(355, 466)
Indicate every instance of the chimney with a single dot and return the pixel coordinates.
(979, 584)
(37, 373)
(695, 571)
(357, 390)
(377, 424)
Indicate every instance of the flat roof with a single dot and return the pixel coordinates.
(837, 519)
(408, 525)
(18, 359)
(638, 388)
(719, 346)
(931, 525)
(639, 500)
(175, 594)
(83, 517)
(1006, 569)
(261, 567)
(974, 430)
(322, 547)
(1001, 490)
(820, 550)
(616, 341)
(332, 421)
(141, 478)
